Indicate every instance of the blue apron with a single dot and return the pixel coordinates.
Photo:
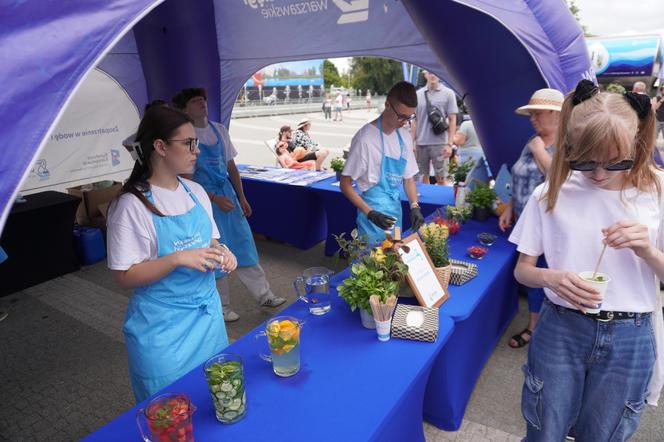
(176, 323)
(384, 196)
(212, 173)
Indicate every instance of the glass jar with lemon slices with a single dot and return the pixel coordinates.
(283, 336)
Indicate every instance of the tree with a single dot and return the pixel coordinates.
(330, 74)
(376, 74)
(575, 10)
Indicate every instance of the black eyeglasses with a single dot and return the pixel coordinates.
(589, 166)
(191, 143)
(401, 117)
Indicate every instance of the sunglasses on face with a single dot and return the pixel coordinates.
(401, 117)
(191, 143)
(589, 166)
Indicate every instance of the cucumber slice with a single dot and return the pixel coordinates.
(236, 404)
(230, 415)
(220, 395)
(226, 387)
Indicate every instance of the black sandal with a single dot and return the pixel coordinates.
(518, 338)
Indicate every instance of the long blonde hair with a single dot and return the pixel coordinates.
(603, 128)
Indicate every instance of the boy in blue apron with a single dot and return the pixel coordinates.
(217, 173)
(381, 159)
(162, 244)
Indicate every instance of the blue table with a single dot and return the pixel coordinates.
(341, 213)
(351, 387)
(481, 309)
(293, 214)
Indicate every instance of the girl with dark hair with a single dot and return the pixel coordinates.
(595, 358)
(162, 243)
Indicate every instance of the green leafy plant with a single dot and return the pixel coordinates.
(435, 240)
(458, 213)
(376, 271)
(482, 196)
(351, 249)
(461, 170)
(615, 88)
(337, 164)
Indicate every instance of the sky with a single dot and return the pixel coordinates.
(604, 18)
(622, 17)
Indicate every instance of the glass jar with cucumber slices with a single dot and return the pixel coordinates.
(225, 378)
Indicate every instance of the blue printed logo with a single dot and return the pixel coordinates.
(115, 157)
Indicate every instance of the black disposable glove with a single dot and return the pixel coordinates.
(383, 221)
(416, 218)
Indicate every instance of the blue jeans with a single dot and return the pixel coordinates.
(586, 373)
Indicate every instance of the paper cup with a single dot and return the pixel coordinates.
(599, 285)
(383, 330)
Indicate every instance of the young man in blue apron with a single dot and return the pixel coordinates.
(381, 159)
(217, 173)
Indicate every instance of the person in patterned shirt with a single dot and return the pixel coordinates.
(302, 139)
(529, 172)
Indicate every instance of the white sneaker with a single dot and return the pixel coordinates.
(230, 316)
(275, 301)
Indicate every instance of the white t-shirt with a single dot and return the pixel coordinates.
(131, 234)
(339, 100)
(207, 136)
(365, 157)
(570, 237)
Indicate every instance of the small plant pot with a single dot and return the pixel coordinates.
(481, 213)
(367, 319)
(338, 176)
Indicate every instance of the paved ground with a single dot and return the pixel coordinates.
(63, 361)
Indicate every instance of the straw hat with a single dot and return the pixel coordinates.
(303, 122)
(545, 99)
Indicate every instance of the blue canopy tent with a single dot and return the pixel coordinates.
(495, 53)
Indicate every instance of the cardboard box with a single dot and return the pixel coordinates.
(93, 201)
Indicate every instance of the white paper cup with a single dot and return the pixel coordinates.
(601, 286)
(383, 330)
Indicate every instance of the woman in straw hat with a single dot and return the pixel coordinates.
(528, 172)
(302, 139)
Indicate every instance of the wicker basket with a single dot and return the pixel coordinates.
(444, 273)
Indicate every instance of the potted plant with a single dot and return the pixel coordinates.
(337, 164)
(377, 271)
(461, 170)
(460, 173)
(481, 198)
(435, 238)
(459, 214)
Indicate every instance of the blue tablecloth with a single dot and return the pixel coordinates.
(481, 309)
(293, 214)
(341, 213)
(351, 387)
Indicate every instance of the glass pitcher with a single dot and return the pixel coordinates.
(225, 378)
(168, 417)
(283, 336)
(316, 285)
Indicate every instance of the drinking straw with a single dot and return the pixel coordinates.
(598, 261)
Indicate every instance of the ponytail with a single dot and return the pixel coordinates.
(158, 123)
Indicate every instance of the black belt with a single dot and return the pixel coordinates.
(608, 316)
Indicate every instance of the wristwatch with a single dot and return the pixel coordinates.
(415, 205)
